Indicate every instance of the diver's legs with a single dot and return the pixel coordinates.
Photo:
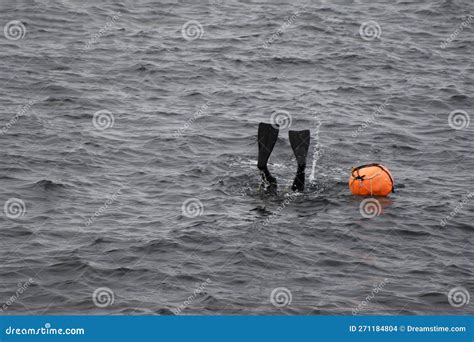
(267, 137)
(299, 141)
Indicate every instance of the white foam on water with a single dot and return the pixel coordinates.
(316, 149)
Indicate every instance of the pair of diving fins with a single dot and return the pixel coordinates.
(299, 141)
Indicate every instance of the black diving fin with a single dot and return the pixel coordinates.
(299, 141)
(267, 137)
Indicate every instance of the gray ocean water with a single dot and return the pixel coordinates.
(128, 161)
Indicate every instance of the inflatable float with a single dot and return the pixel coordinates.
(371, 180)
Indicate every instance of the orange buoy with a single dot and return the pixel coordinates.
(371, 180)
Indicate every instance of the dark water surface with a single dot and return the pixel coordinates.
(180, 118)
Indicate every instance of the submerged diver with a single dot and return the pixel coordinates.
(367, 180)
(267, 137)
